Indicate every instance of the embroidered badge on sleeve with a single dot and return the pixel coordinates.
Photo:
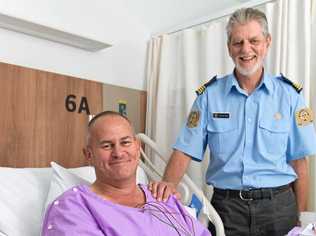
(304, 116)
(193, 119)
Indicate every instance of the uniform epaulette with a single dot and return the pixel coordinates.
(201, 89)
(296, 86)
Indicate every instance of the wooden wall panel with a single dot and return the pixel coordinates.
(35, 125)
(143, 111)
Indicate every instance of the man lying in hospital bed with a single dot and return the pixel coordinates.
(114, 204)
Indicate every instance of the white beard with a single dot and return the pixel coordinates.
(250, 71)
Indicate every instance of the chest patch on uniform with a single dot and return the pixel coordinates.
(304, 116)
(221, 115)
(277, 116)
(193, 119)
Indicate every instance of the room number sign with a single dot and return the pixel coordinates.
(71, 104)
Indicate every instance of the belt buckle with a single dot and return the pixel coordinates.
(242, 198)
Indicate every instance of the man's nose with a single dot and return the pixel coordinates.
(246, 47)
(117, 151)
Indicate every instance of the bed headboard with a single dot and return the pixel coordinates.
(44, 116)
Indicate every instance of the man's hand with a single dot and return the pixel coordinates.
(175, 170)
(162, 190)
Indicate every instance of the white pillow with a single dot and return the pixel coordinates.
(22, 195)
(141, 177)
(63, 179)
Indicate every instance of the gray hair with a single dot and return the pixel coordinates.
(245, 15)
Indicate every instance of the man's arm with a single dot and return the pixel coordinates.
(301, 183)
(174, 172)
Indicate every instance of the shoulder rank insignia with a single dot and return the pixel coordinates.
(304, 117)
(201, 89)
(296, 86)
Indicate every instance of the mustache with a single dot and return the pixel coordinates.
(247, 55)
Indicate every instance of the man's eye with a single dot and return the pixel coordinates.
(126, 143)
(237, 43)
(106, 146)
(255, 41)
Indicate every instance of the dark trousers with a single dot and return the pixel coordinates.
(273, 215)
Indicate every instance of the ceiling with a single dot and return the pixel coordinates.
(117, 21)
(163, 15)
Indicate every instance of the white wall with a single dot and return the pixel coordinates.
(165, 15)
(123, 64)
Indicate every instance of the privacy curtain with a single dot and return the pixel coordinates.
(312, 99)
(179, 63)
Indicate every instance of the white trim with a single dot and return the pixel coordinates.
(207, 19)
(49, 33)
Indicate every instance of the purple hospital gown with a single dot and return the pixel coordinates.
(79, 211)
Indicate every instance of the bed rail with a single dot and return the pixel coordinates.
(186, 183)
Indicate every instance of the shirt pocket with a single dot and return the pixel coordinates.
(273, 136)
(221, 134)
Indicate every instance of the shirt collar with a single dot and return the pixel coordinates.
(266, 83)
(230, 83)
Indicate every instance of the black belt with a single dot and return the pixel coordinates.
(252, 194)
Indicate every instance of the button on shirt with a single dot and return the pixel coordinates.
(252, 138)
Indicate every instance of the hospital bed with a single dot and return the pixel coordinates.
(26, 192)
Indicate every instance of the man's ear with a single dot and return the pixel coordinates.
(228, 49)
(269, 39)
(87, 153)
(138, 144)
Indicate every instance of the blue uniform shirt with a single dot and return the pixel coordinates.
(252, 139)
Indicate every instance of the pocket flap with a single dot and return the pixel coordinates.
(279, 126)
(219, 126)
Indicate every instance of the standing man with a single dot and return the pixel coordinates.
(259, 132)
